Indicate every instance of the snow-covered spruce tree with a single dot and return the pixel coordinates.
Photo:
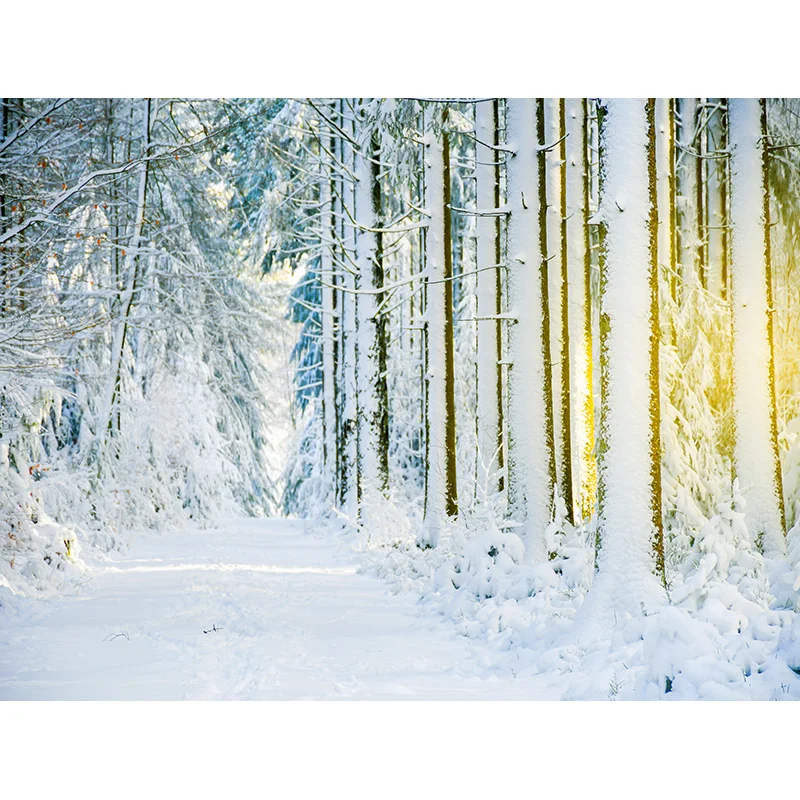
(579, 305)
(489, 334)
(631, 559)
(531, 460)
(441, 492)
(756, 458)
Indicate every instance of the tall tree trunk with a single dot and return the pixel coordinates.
(718, 200)
(672, 208)
(441, 496)
(579, 305)
(5, 130)
(489, 403)
(686, 169)
(371, 356)
(554, 189)
(566, 480)
(756, 461)
(701, 175)
(327, 232)
(531, 461)
(349, 476)
(631, 560)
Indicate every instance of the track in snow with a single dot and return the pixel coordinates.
(293, 619)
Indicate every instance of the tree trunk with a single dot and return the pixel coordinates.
(701, 173)
(531, 462)
(371, 356)
(327, 232)
(686, 170)
(441, 498)
(349, 450)
(756, 461)
(489, 408)
(556, 295)
(665, 182)
(566, 481)
(578, 283)
(629, 516)
(718, 201)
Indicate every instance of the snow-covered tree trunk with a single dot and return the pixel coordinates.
(441, 496)
(686, 168)
(566, 488)
(701, 177)
(327, 233)
(349, 477)
(531, 461)
(371, 351)
(5, 129)
(489, 403)
(756, 461)
(665, 166)
(718, 237)
(631, 559)
(578, 283)
(556, 294)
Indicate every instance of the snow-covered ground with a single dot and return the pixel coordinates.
(294, 619)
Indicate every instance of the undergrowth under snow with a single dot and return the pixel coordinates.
(730, 629)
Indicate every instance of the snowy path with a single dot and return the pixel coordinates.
(295, 620)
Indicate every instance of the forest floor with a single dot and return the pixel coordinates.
(259, 609)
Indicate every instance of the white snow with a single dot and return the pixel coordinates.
(294, 619)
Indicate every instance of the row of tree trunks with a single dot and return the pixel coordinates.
(643, 231)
